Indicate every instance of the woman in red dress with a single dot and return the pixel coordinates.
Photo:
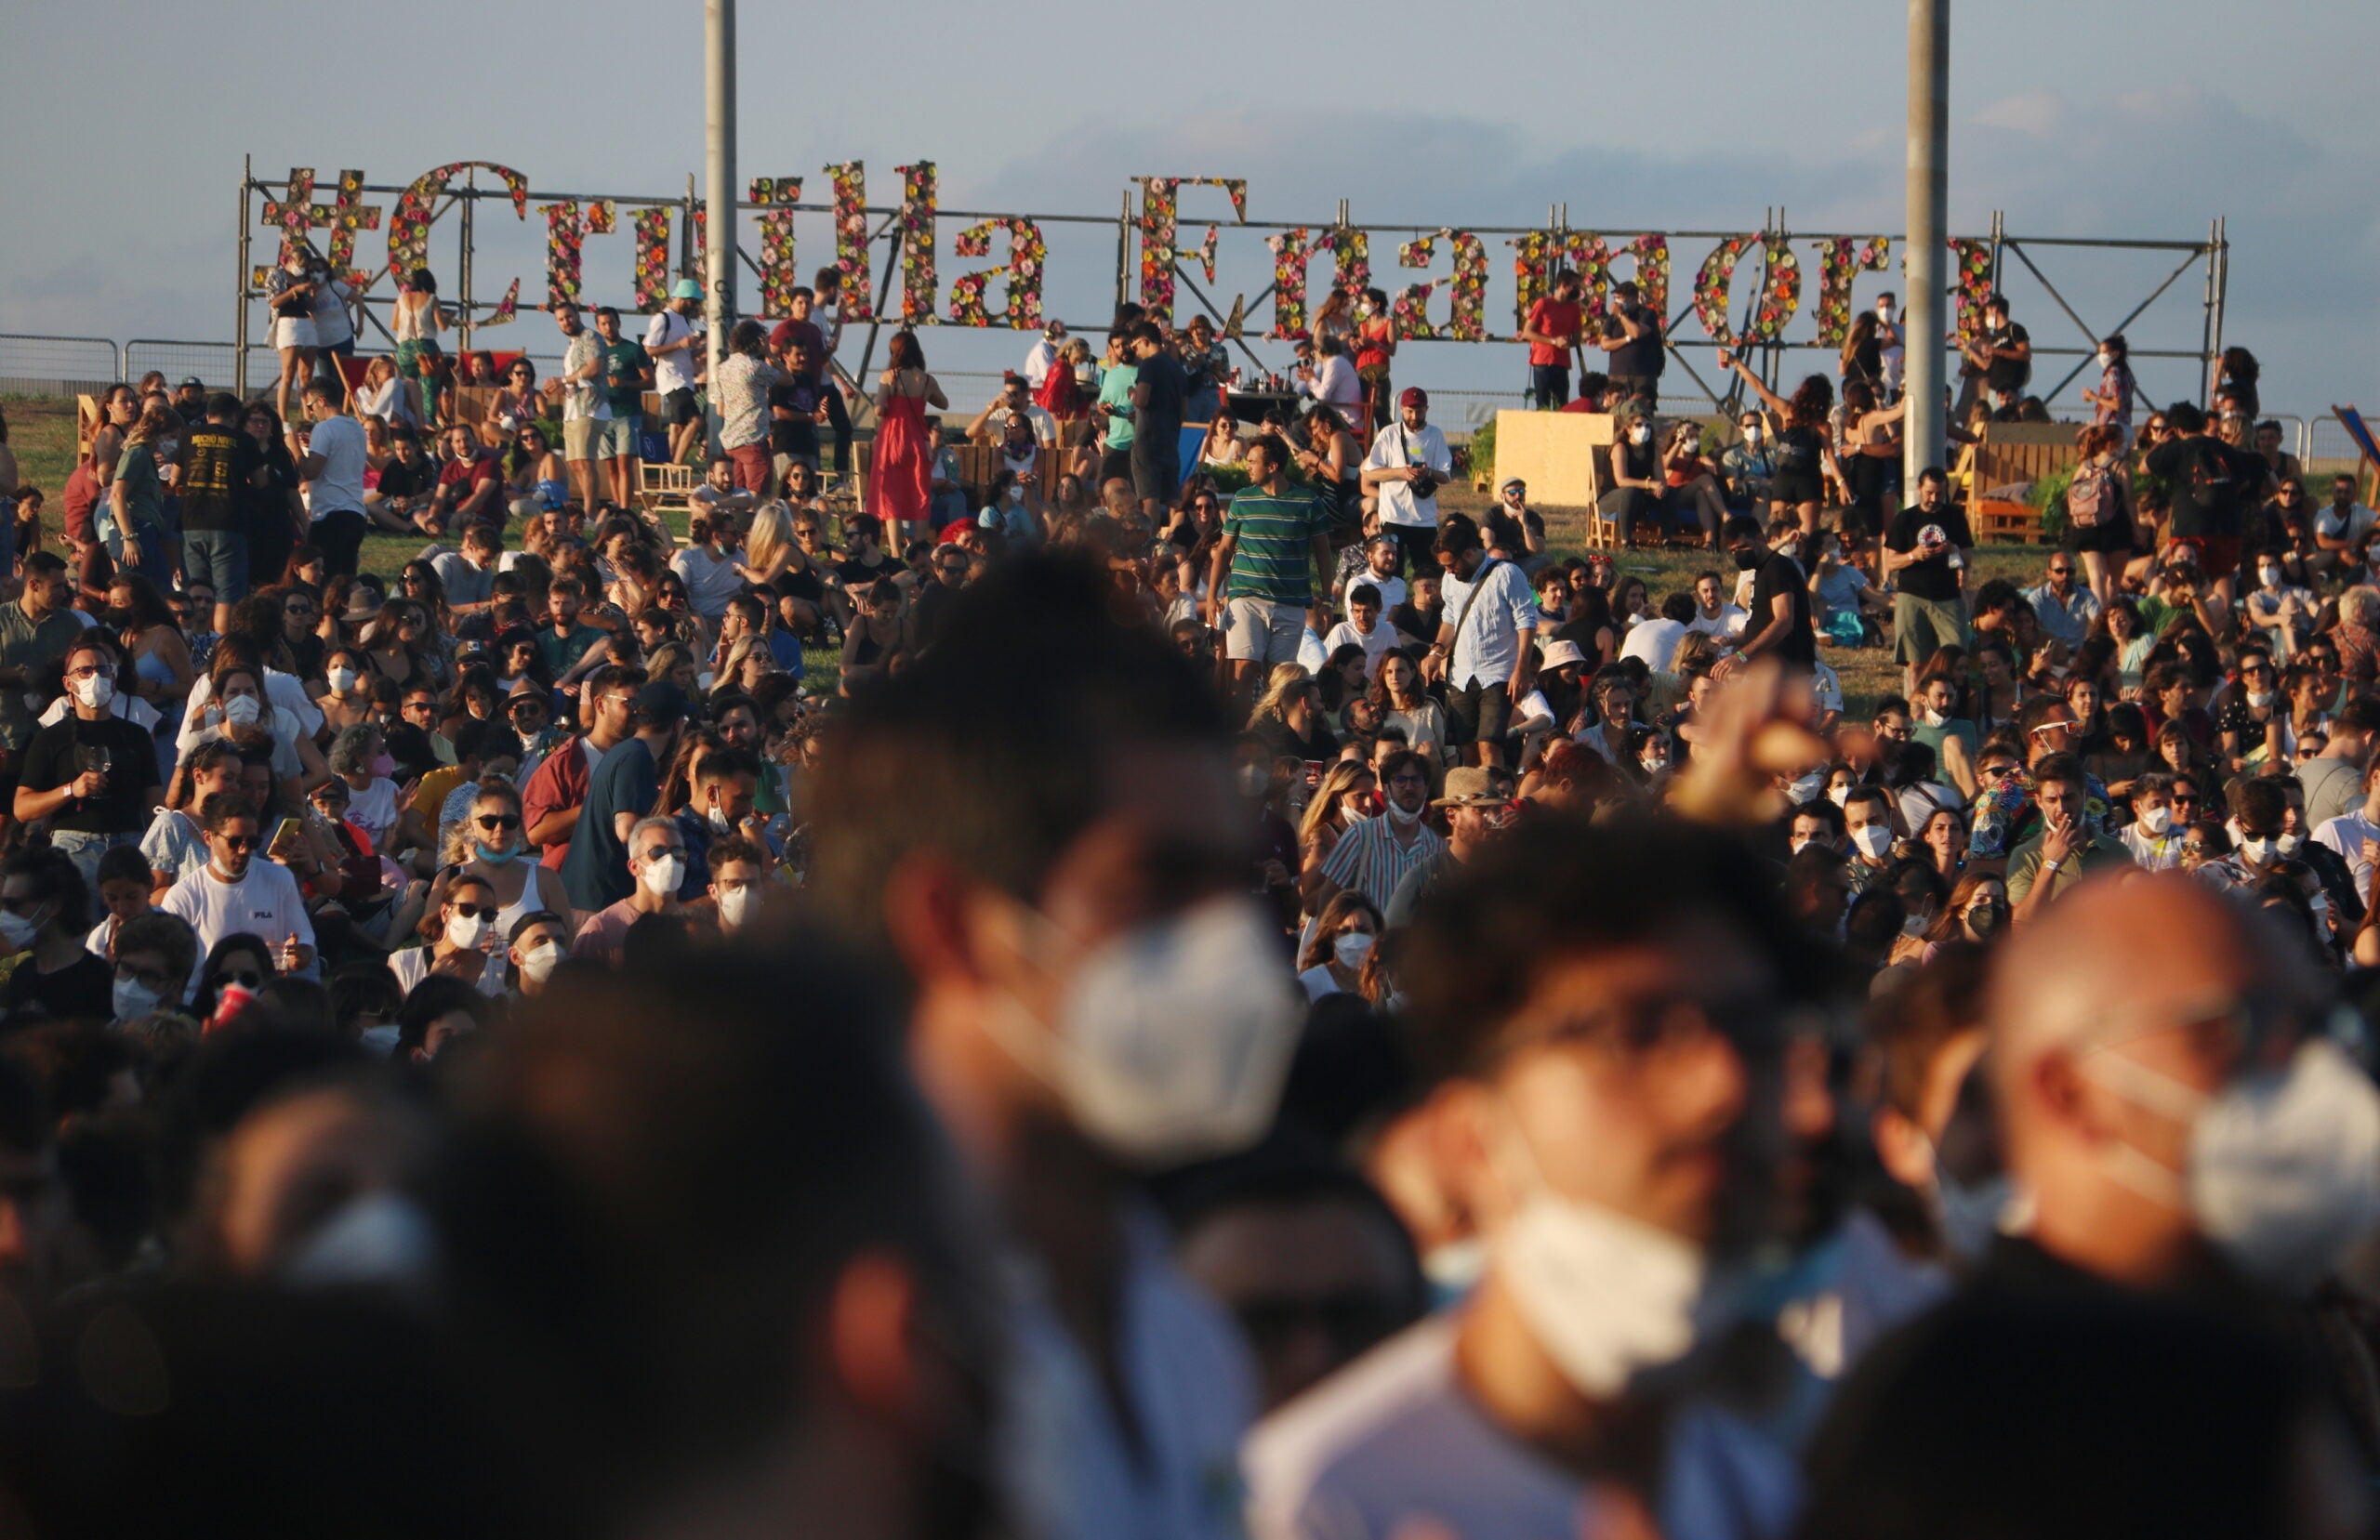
(900, 476)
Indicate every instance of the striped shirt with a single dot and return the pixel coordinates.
(1369, 859)
(1274, 559)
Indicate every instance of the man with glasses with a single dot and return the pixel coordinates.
(467, 577)
(1373, 857)
(235, 892)
(1516, 531)
(1597, 1018)
(654, 856)
(2064, 608)
(91, 775)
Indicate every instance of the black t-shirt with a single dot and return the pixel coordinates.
(2202, 484)
(1160, 420)
(51, 762)
(798, 433)
(1932, 578)
(400, 480)
(857, 574)
(1423, 624)
(1644, 357)
(81, 991)
(218, 460)
(1502, 529)
(1783, 575)
(2009, 373)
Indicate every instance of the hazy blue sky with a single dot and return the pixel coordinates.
(126, 131)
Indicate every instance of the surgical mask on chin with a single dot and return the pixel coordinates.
(1930, 717)
(1604, 1295)
(134, 999)
(1399, 817)
(663, 877)
(538, 963)
(2284, 1170)
(505, 857)
(1171, 1039)
(2259, 698)
(468, 934)
(1352, 949)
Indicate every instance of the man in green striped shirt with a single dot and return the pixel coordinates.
(1275, 537)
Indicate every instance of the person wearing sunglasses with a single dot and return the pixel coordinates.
(491, 847)
(235, 891)
(463, 940)
(229, 975)
(657, 863)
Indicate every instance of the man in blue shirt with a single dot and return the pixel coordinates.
(595, 873)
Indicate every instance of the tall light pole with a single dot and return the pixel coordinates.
(719, 190)
(1929, 192)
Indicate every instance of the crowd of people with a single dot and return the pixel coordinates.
(1177, 999)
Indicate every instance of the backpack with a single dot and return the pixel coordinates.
(2087, 499)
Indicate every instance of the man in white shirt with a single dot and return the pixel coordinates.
(1380, 553)
(671, 338)
(1655, 640)
(1408, 462)
(1336, 384)
(2340, 526)
(2153, 837)
(991, 423)
(1364, 627)
(2355, 833)
(1119, 942)
(1487, 646)
(1611, 1183)
(1714, 616)
(586, 404)
(332, 464)
(1043, 355)
(235, 891)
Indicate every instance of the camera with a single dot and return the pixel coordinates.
(1425, 483)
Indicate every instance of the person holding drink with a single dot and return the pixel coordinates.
(91, 775)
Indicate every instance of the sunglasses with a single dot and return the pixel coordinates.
(476, 911)
(239, 842)
(245, 978)
(659, 853)
(497, 821)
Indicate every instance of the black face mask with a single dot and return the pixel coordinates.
(1747, 559)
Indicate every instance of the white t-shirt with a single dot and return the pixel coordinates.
(1392, 592)
(266, 904)
(1727, 624)
(1395, 447)
(709, 584)
(410, 965)
(281, 690)
(1045, 427)
(340, 488)
(1038, 362)
(671, 371)
(1376, 646)
(332, 325)
(1395, 1445)
(1337, 385)
(1655, 641)
(2350, 526)
(2346, 833)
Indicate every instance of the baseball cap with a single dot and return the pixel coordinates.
(1468, 787)
(191, 382)
(685, 289)
(1413, 395)
(1508, 483)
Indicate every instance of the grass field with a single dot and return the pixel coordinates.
(42, 432)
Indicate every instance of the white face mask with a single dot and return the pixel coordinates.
(1604, 1294)
(1930, 717)
(1254, 780)
(1398, 817)
(96, 693)
(2268, 577)
(2106, 359)
(1805, 788)
(1656, 764)
(1639, 435)
(466, 934)
(1838, 794)
(2258, 852)
(134, 999)
(734, 904)
(2260, 698)
(664, 878)
(719, 820)
(538, 963)
(341, 680)
(2290, 843)
(1352, 948)
(243, 710)
(380, 1041)
(1751, 437)
(2285, 1165)
(2156, 820)
(1873, 840)
(1171, 1039)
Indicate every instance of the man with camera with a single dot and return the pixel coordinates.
(1408, 462)
(1926, 553)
